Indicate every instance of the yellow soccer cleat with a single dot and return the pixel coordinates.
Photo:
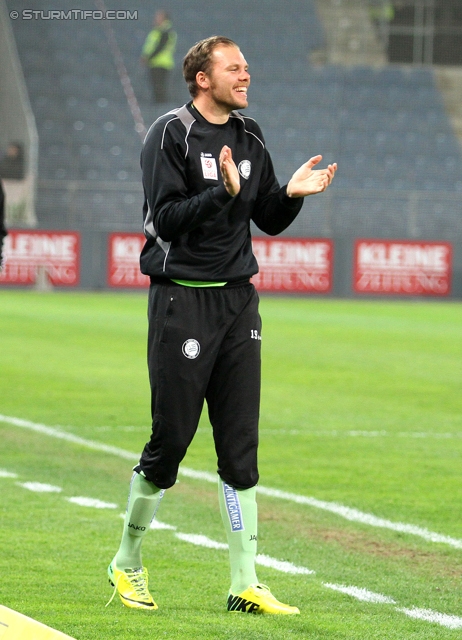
(258, 599)
(132, 587)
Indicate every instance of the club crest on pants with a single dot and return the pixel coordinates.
(191, 348)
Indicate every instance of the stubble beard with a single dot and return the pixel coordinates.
(227, 104)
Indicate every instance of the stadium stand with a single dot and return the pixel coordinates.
(18, 133)
(399, 160)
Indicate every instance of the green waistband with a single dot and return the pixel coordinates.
(198, 283)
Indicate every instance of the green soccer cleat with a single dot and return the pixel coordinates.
(132, 587)
(258, 599)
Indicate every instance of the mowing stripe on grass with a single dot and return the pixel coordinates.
(354, 515)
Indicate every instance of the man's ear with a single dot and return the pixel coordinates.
(202, 80)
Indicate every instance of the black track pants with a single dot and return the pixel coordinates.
(204, 343)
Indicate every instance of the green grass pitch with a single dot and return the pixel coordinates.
(361, 407)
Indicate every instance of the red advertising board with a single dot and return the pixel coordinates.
(57, 252)
(403, 267)
(124, 260)
(289, 264)
(293, 265)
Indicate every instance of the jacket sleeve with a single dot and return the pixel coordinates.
(173, 208)
(274, 211)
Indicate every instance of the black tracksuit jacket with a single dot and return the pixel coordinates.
(194, 229)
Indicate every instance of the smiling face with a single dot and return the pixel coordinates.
(226, 84)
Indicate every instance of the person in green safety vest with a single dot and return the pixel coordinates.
(158, 54)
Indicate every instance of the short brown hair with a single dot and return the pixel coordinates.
(199, 58)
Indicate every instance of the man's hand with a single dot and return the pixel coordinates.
(229, 172)
(306, 182)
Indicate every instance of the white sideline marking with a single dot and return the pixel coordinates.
(266, 561)
(39, 487)
(451, 622)
(335, 433)
(156, 524)
(92, 502)
(354, 515)
(198, 475)
(365, 518)
(360, 594)
(282, 565)
(426, 615)
(7, 474)
(69, 437)
(201, 541)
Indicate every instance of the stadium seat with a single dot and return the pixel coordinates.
(381, 125)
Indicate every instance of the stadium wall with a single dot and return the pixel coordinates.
(343, 266)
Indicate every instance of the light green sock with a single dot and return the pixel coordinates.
(238, 508)
(143, 502)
